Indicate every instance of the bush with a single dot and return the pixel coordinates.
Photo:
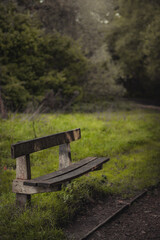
(33, 62)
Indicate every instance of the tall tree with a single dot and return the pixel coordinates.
(133, 41)
(83, 20)
(33, 62)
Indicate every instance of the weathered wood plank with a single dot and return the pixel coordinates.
(61, 172)
(64, 156)
(21, 190)
(23, 171)
(35, 145)
(23, 168)
(91, 166)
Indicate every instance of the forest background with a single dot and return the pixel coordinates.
(62, 64)
(58, 53)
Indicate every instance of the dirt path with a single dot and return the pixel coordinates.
(140, 222)
(147, 106)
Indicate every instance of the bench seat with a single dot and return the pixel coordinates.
(73, 171)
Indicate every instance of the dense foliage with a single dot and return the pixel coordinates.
(33, 63)
(41, 63)
(134, 42)
(86, 21)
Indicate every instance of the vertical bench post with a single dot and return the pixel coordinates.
(64, 155)
(23, 172)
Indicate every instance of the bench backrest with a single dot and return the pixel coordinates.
(26, 147)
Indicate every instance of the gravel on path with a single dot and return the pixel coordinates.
(140, 222)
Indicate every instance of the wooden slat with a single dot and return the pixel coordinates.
(35, 145)
(91, 166)
(72, 167)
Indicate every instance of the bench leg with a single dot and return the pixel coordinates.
(23, 200)
(23, 172)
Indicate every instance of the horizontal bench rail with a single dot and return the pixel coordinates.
(37, 144)
(76, 171)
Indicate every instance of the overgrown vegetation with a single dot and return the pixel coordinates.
(133, 41)
(34, 63)
(40, 62)
(130, 137)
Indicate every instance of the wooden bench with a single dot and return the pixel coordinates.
(24, 186)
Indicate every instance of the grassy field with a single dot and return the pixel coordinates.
(131, 138)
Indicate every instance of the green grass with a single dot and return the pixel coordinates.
(130, 138)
